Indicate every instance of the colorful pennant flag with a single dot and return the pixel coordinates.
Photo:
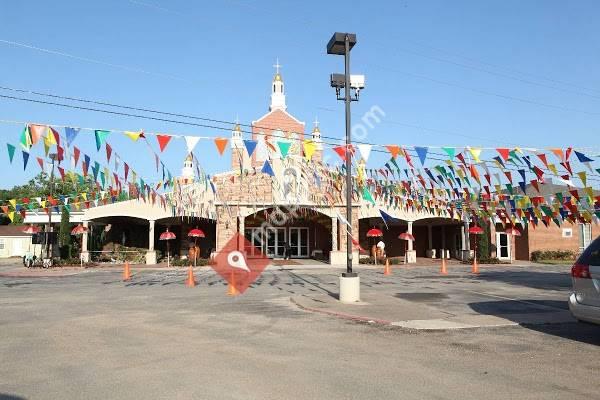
(221, 143)
(100, 137)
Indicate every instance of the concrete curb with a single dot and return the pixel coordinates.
(341, 315)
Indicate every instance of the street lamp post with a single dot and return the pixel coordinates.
(342, 44)
(53, 157)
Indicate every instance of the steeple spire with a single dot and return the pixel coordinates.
(277, 90)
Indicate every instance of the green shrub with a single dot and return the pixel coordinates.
(563, 255)
(180, 262)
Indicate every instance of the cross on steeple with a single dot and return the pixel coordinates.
(316, 122)
(277, 66)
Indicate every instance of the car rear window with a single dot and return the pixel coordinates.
(591, 255)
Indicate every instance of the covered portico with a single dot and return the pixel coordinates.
(139, 224)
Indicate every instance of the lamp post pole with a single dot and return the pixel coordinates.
(48, 255)
(347, 101)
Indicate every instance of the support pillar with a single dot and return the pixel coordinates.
(151, 253)
(443, 250)
(241, 230)
(466, 244)
(338, 254)
(85, 254)
(411, 254)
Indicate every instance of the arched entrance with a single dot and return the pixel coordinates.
(305, 232)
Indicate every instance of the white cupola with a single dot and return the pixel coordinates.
(277, 90)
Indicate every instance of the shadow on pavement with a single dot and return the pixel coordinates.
(550, 280)
(545, 316)
(4, 396)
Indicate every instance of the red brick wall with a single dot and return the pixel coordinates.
(278, 119)
(550, 238)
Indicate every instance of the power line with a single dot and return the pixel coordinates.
(94, 61)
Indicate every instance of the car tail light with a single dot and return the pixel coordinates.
(580, 271)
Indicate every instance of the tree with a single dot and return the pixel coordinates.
(64, 234)
(39, 186)
(483, 241)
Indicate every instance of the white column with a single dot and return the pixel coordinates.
(242, 228)
(151, 236)
(151, 253)
(85, 254)
(443, 253)
(411, 254)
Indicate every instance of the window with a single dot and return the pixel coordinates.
(1, 244)
(585, 236)
(567, 233)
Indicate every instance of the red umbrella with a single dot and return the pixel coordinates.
(32, 229)
(476, 230)
(79, 230)
(166, 235)
(374, 232)
(196, 233)
(406, 236)
(409, 238)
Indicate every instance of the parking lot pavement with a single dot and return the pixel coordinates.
(91, 336)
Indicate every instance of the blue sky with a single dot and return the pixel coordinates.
(445, 73)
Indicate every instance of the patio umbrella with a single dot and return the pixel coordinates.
(196, 233)
(77, 231)
(476, 230)
(371, 233)
(409, 238)
(166, 235)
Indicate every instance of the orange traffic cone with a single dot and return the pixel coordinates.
(387, 270)
(443, 270)
(190, 282)
(126, 272)
(231, 289)
(475, 266)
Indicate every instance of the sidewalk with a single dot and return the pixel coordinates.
(388, 309)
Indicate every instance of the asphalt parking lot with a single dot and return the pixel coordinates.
(91, 335)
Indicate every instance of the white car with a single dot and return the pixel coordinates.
(584, 301)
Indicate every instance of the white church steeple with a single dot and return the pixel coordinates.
(277, 90)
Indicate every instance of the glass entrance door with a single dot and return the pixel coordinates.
(275, 242)
(256, 238)
(503, 246)
(299, 242)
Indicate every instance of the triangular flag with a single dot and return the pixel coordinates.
(36, 132)
(250, 146)
(221, 143)
(309, 147)
(71, 134)
(393, 149)
(284, 148)
(191, 142)
(108, 152)
(422, 153)
(504, 153)
(266, 169)
(451, 151)
(100, 138)
(365, 151)
(133, 135)
(26, 138)
(475, 152)
(25, 159)
(163, 141)
(11, 151)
